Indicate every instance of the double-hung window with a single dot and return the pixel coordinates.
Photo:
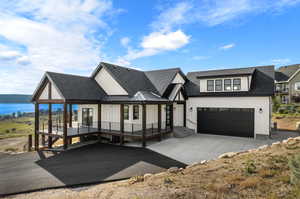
(227, 84)
(218, 85)
(210, 85)
(126, 112)
(237, 84)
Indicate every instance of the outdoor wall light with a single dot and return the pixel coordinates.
(260, 110)
(191, 109)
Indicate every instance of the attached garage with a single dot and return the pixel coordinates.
(226, 121)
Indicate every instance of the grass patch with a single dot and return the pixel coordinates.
(16, 127)
(250, 182)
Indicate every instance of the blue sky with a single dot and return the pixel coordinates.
(73, 36)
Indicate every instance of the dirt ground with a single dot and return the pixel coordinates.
(262, 174)
(287, 123)
(13, 145)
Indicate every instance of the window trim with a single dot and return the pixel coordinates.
(212, 86)
(221, 85)
(240, 85)
(296, 89)
(227, 84)
(133, 112)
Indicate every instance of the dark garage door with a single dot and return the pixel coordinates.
(226, 121)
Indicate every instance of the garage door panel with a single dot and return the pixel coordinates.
(229, 121)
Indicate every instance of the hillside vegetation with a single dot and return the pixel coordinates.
(14, 98)
(265, 173)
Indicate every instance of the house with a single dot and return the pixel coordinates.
(287, 84)
(127, 104)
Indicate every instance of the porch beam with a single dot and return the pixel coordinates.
(122, 124)
(159, 120)
(70, 115)
(144, 112)
(52, 101)
(36, 126)
(65, 129)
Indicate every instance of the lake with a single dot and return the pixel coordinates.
(9, 108)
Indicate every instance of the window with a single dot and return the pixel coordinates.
(126, 112)
(218, 84)
(135, 112)
(87, 116)
(237, 84)
(297, 86)
(227, 84)
(210, 85)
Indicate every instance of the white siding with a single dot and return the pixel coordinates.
(45, 93)
(54, 93)
(178, 79)
(245, 80)
(109, 84)
(261, 120)
(178, 114)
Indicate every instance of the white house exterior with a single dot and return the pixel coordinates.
(127, 103)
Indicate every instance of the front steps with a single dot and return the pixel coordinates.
(181, 132)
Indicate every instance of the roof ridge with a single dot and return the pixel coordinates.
(176, 68)
(49, 72)
(127, 68)
(224, 69)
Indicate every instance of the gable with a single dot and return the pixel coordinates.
(108, 83)
(45, 95)
(178, 79)
(179, 97)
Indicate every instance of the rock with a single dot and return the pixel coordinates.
(297, 125)
(203, 161)
(276, 144)
(297, 138)
(262, 147)
(173, 170)
(147, 176)
(191, 165)
(228, 155)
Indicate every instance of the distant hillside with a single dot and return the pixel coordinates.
(14, 98)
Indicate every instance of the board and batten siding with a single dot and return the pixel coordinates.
(111, 113)
(261, 120)
(109, 84)
(54, 93)
(178, 79)
(245, 83)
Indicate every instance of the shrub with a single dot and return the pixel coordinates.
(250, 182)
(250, 167)
(7, 131)
(267, 173)
(294, 165)
(168, 180)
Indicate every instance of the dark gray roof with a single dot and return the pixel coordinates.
(74, 87)
(225, 72)
(262, 82)
(285, 72)
(161, 79)
(130, 79)
(139, 96)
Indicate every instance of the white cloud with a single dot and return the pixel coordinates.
(200, 57)
(58, 35)
(280, 61)
(9, 55)
(125, 41)
(227, 47)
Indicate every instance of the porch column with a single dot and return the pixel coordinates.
(122, 124)
(70, 115)
(50, 125)
(99, 122)
(144, 111)
(159, 121)
(36, 126)
(65, 128)
(184, 114)
(171, 117)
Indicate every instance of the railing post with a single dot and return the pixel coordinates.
(29, 143)
(152, 128)
(109, 126)
(132, 128)
(43, 127)
(78, 128)
(88, 128)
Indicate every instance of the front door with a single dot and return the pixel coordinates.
(87, 117)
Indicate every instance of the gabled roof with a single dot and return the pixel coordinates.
(161, 79)
(262, 82)
(130, 79)
(73, 87)
(284, 73)
(226, 72)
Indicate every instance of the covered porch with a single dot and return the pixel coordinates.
(118, 121)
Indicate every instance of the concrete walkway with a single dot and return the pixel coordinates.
(89, 164)
(198, 147)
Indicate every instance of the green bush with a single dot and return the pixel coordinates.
(250, 167)
(294, 165)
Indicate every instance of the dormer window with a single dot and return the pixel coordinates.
(237, 84)
(219, 85)
(210, 85)
(227, 84)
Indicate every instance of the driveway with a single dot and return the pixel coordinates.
(89, 164)
(198, 147)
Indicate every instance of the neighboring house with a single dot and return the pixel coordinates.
(127, 104)
(287, 84)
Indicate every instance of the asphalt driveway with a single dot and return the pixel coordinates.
(198, 147)
(89, 164)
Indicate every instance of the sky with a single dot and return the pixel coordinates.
(74, 36)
